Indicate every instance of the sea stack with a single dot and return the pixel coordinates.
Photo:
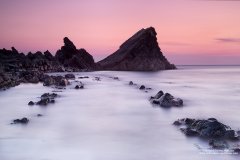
(139, 53)
(74, 58)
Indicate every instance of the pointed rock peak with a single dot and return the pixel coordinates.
(68, 43)
(148, 33)
(139, 53)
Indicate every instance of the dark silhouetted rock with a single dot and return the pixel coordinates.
(31, 103)
(139, 53)
(21, 121)
(83, 77)
(210, 128)
(131, 83)
(142, 87)
(166, 100)
(47, 98)
(71, 57)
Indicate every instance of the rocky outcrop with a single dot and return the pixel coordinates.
(217, 133)
(209, 128)
(73, 58)
(139, 53)
(24, 120)
(166, 100)
(13, 61)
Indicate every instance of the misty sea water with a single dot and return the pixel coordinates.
(111, 120)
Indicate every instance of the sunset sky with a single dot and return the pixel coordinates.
(189, 31)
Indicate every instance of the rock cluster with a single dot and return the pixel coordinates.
(209, 128)
(45, 99)
(24, 120)
(166, 100)
(216, 132)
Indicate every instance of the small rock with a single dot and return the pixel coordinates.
(131, 83)
(39, 115)
(31, 103)
(116, 78)
(24, 120)
(79, 87)
(83, 77)
(142, 87)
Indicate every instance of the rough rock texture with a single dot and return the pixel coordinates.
(139, 53)
(166, 100)
(24, 120)
(73, 58)
(13, 61)
(210, 128)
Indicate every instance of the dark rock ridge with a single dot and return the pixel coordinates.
(73, 58)
(139, 53)
(13, 61)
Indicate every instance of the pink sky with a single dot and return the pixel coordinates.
(189, 31)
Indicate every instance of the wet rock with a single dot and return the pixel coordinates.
(142, 87)
(49, 95)
(79, 87)
(158, 95)
(166, 100)
(189, 132)
(21, 121)
(31, 103)
(47, 98)
(131, 83)
(83, 77)
(210, 128)
(70, 76)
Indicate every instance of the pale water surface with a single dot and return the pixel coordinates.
(110, 120)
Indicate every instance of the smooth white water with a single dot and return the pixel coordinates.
(111, 120)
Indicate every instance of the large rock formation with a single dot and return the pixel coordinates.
(76, 59)
(139, 53)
